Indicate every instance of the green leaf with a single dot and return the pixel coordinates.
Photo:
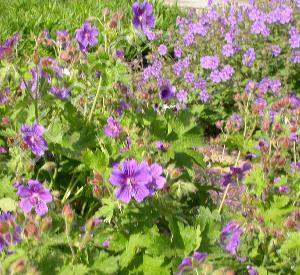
(106, 264)
(257, 180)
(191, 237)
(108, 208)
(154, 265)
(74, 269)
(8, 204)
(135, 242)
(97, 161)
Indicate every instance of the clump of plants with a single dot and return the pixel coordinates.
(137, 151)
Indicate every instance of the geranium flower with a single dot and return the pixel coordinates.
(33, 137)
(143, 17)
(113, 128)
(87, 36)
(34, 196)
(132, 179)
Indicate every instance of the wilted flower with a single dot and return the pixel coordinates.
(87, 36)
(33, 137)
(113, 128)
(34, 196)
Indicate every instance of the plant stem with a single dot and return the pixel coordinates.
(68, 239)
(95, 100)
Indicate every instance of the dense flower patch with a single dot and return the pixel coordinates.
(128, 150)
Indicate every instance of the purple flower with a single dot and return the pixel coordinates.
(283, 189)
(189, 263)
(234, 122)
(113, 128)
(259, 27)
(230, 237)
(189, 77)
(230, 50)
(182, 96)
(249, 57)
(120, 54)
(158, 181)
(132, 179)
(32, 84)
(34, 196)
(2, 150)
(295, 166)
(200, 83)
(6, 48)
(143, 17)
(294, 40)
(226, 73)
(12, 233)
(87, 36)
(204, 96)
(33, 137)
(296, 57)
(63, 37)
(177, 51)
(166, 90)
(105, 244)
(162, 49)
(160, 146)
(276, 50)
(128, 143)
(235, 174)
(4, 97)
(61, 93)
(209, 62)
(251, 270)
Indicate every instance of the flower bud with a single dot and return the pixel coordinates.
(90, 225)
(19, 217)
(36, 57)
(68, 213)
(105, 12)
(5, 121)
(46, 223)
(4, 227)
(31, 230)
(18, 266)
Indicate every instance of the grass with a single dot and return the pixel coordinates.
(30, 17)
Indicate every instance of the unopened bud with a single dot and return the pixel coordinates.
(31, 230)
(90, 225)
(4, 227)
(105, 12)
(46, 223)
(18, 266)
(68, 213)
(36, 57)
